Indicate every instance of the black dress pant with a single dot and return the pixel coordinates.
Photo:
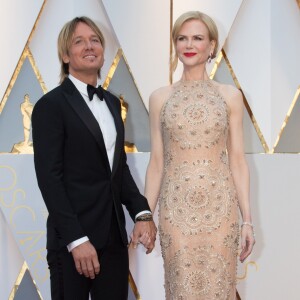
(110, 284)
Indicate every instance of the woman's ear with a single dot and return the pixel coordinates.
(212, 46)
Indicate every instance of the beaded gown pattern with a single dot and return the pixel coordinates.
(198, 207)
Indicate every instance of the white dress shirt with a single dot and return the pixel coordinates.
(103, 116)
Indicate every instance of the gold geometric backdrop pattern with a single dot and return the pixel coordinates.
(26, 146)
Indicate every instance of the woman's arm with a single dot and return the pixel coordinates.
(239, 167)
(155, 166)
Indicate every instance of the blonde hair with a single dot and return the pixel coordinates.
(65, 39)
(195, 15)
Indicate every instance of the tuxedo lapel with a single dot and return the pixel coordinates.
(119, 129)
(78, 104)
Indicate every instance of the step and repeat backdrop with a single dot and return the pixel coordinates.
(259, 54)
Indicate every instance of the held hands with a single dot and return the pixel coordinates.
(247, 240)
(144, 232)
(86, 260)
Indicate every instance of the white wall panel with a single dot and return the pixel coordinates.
(142, 28)
(16, 22)
(290, 137)
(275, 194)
(285, 60)
(248, 49)
(11, 259)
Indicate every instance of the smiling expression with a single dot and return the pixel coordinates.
(193, 46)
(85, 55)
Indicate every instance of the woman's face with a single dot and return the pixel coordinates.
(193, 46)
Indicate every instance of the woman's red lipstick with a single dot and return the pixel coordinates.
(189, 54)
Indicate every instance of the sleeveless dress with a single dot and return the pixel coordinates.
(198, 206)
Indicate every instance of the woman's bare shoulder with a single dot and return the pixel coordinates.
(161, 92)
(232, 95)
(159, 96)
(228, 91)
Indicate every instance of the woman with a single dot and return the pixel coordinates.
(198, 170)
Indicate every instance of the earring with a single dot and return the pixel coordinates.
(209, 58)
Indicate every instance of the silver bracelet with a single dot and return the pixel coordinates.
(247, 223)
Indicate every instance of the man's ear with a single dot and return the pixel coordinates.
(65, 58)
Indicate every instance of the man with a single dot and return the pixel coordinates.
(81, 168)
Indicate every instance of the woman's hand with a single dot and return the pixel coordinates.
(247, 241)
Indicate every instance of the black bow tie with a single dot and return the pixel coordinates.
(92, 90)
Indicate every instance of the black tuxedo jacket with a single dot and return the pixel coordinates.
(73, 173)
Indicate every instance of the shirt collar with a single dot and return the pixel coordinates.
(81, 86)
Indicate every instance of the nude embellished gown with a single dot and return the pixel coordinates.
(198, 207)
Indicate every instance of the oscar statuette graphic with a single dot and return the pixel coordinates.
(25, 146)
(129, 147)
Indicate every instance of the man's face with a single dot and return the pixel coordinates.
(85, 55)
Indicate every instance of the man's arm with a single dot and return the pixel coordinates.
(48, 143)
(144, 230)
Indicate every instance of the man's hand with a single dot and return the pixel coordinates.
(144, 232)
(86, 260)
